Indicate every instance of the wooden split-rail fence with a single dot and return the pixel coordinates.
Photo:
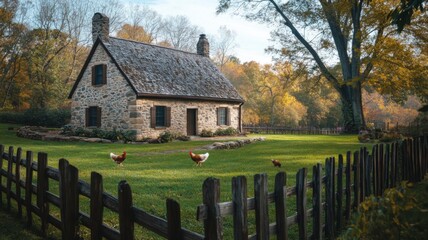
(336, 190)
(287, 130)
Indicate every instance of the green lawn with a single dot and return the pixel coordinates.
(156, 172)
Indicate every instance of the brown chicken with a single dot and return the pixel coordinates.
(276, 163)
(118, 159)
(199, 158)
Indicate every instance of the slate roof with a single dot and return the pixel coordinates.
(155, 71)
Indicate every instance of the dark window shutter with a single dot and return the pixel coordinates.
(93, 75)
(168, 117)
(98, 117)
(218, 116)
(153, 117)
(104, 73)
(228, 116)
(87, 117)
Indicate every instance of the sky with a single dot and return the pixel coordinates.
(251, 38)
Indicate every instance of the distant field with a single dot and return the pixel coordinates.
(156, 172)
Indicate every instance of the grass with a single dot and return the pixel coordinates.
(156, 172)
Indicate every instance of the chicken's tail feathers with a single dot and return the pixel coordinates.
(112, 155)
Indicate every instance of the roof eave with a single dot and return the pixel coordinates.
(181, 97)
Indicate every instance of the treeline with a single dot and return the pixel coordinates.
(45, 42)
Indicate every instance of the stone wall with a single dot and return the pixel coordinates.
(122, 110)
(206, 119)
(113, 97)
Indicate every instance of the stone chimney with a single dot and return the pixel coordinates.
(100, 27)
(203, 46)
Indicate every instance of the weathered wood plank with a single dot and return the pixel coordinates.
(348, 187)
(42, 188)
(28, 186)
(18, 180)
(301, 203)
(72, 203)
(9, 178)
(96, 206)
(126, 224)
(317, 202)
(1, 169)
(329, 191)
(262, 212)
(213, 226)
(281, 206)
(357, 198)
(339, 193)
(240, 215)
(174, 220)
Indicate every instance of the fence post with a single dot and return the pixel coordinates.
(348, 187)
(213, 228)
(42, 187)
(329, 191)
(317, 201)
(126, 224)
(18, 181)
(302, 217)
(69, 200)
(362, 172)
(381, 171)
(369, 171)
(240, 215)
(174, 220)
(393, 178)
(261, 206)
(96, 205)
(281, 206)
(9, 178)
(29, 186)
(357, 199)
(339, 215)
(375, 164)
(1, 167)
(387, 171)
(62, 167)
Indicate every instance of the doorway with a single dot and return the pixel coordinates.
(192, 121)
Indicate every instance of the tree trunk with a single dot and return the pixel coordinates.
(352, 109)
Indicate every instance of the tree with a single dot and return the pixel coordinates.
(352, 31)
(134, 32)
(13, 38)
(402, 15)
(223, 45)
(180, 33)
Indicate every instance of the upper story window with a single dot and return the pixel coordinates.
(223, 116)
(99, 74)
(160, 116)
(93, 117)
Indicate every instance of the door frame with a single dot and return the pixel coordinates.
(195, 111)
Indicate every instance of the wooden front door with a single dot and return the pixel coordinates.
(191, 121)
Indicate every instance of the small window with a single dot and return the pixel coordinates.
(160, 117)
(93, 117)
(223, 116)
(99, 74)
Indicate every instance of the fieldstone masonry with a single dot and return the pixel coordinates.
(122, 110)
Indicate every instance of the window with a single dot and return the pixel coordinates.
(223, 117)
(160, 117)
(99, 74)
(93, 117)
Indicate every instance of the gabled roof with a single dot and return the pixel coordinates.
(155, 71)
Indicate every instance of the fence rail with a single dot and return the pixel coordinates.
(344, 185)
(287, 130)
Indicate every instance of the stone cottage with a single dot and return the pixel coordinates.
(129, 85)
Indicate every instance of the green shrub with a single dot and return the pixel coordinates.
(384, 217)
(230, 131)
(166, 137)
(206, 133)
(38, 117)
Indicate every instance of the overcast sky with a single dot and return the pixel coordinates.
(251, 38)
